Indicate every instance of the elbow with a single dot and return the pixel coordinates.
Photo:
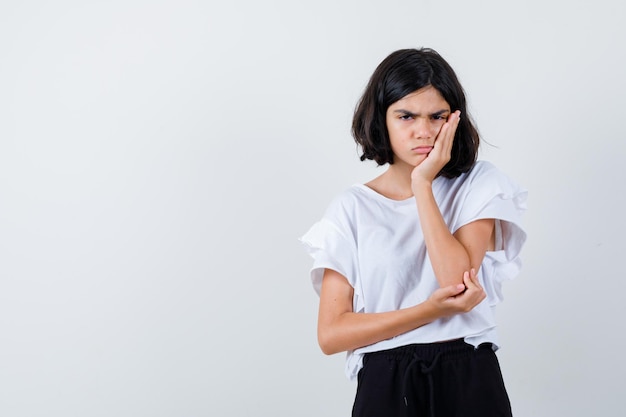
(452, 275)
(327, 350)
(327, 343)
(452, 279)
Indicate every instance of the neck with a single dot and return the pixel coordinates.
(400, 175)
(395, 183)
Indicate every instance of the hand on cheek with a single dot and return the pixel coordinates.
(440, 155)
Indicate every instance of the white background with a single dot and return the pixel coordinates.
(159, 160)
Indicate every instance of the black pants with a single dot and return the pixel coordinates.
(449, 379)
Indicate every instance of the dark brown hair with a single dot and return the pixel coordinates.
(401, 73)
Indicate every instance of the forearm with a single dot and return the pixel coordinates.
(350, 331)
(448, 256)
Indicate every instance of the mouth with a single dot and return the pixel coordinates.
(422, 149)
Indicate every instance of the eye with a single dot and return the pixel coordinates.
(443, 117)
(406, 117)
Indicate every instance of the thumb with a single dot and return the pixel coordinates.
(453, 290)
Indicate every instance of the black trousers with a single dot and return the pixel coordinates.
(449, 379)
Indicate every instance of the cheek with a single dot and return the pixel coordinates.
(396, 137)
(437, 125)
(398, 130)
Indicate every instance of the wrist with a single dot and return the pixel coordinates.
(420, 185)
(430, 310)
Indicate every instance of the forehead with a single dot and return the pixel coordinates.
(427, 98)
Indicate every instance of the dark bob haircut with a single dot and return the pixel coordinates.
(401, 73)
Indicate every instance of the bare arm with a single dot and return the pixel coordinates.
(340, 328)
(450, 254)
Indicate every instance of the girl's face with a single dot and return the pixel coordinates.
(413, 123)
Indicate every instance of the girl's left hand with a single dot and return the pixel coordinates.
(439, 156)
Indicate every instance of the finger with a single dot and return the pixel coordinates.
(474, 278)
(444, 133)
(474, 286)
(467, 280)
(452, 290)
(466, 276)
(453, 123)
(471, 282)
(445, 138)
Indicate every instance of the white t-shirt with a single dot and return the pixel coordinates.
(378, 245)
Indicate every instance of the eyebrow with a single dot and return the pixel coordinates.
(408, 113)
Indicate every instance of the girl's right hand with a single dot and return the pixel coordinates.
(440, 155)
(460, 298)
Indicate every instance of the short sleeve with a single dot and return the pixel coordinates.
(490, 194)
(330, 248)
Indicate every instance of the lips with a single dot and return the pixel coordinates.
(422, 149)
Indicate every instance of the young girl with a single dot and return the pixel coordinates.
(409, 266)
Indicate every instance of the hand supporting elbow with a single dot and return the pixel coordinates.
(459, 298)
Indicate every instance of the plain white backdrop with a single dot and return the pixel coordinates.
(159, 160)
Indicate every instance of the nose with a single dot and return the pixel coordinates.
(423, 128)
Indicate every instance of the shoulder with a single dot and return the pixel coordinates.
(488, 191)
(340, 218)
(347, 203)
(482, 169)
(485, 175)
(483, 183)
(480, 174)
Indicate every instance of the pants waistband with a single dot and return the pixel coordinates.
(428, 351)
